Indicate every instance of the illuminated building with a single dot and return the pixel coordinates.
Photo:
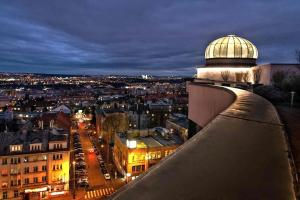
(135, 152)
(34, 164)
(231, 60)
(178, 124)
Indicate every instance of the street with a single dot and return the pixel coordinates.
(99, 187)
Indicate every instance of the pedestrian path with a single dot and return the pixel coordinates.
(99, 193)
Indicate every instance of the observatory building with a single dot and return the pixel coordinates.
(231, 60)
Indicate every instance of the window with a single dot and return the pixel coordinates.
(4, 161)
(138, 168)
(16, 193)
(26, 170)
(35, 147)
(35, 179)
(4, 172)
(26, 181)
(14, 171)
(44, 178)
(35, 168)
(13, 183)
(57, 156)
(44, 168)
(4, 195)
(15, 148)
(53, 168)
(4, 184)
(15, 160)
(57, 146)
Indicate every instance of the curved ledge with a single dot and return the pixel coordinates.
(240, 154)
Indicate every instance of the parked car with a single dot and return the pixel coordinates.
(82, 180)
(78, 148)
(84, 184)
(79, 173)
(81, 170)
(99, 157)
(104, 170)
(79, 156)
(76, 141)
(107, 176)
(80, 163)
(102, 165)
(77, 145)
(78, 159)
(80, 167)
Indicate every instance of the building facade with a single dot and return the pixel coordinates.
(231, 60)
(134, 153)
(34, 165)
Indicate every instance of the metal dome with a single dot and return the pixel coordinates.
(232, 47)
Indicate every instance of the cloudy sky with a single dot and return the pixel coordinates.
(160, 37)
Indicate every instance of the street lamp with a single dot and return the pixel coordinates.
(292, 98)
(127, 176)
(74, 187)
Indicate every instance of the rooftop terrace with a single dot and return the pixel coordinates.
(241, 153)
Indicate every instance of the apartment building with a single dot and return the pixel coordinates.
(135, 152)
(34, 164)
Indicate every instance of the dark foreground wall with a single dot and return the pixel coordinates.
(240, 154)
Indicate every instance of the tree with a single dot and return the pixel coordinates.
(256, 75)
(246, 77)
(113, 123)
(225, 75)
(278, 77)
(297, 55)
(238, 77)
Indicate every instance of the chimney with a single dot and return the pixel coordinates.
(23, 134)
(41, 124)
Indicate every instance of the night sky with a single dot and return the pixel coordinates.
(160, 37)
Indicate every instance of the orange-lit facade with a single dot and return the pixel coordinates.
(133, 159)
(36, 174)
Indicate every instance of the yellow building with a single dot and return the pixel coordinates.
(34, 164)
(134, 153)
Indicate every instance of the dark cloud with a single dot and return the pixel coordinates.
(135, 37)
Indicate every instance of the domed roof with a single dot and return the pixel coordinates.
(231, 46)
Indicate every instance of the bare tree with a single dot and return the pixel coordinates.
(246, 77)
(297, 54)
(238, 77)
(116, 122)
(278, 77)
(225, 75)
(257, 75)
(113, 123)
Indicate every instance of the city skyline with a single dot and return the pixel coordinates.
(163, 38)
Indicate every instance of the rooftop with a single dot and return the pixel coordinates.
(26, 138)
(152, 140)
(241, 153)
